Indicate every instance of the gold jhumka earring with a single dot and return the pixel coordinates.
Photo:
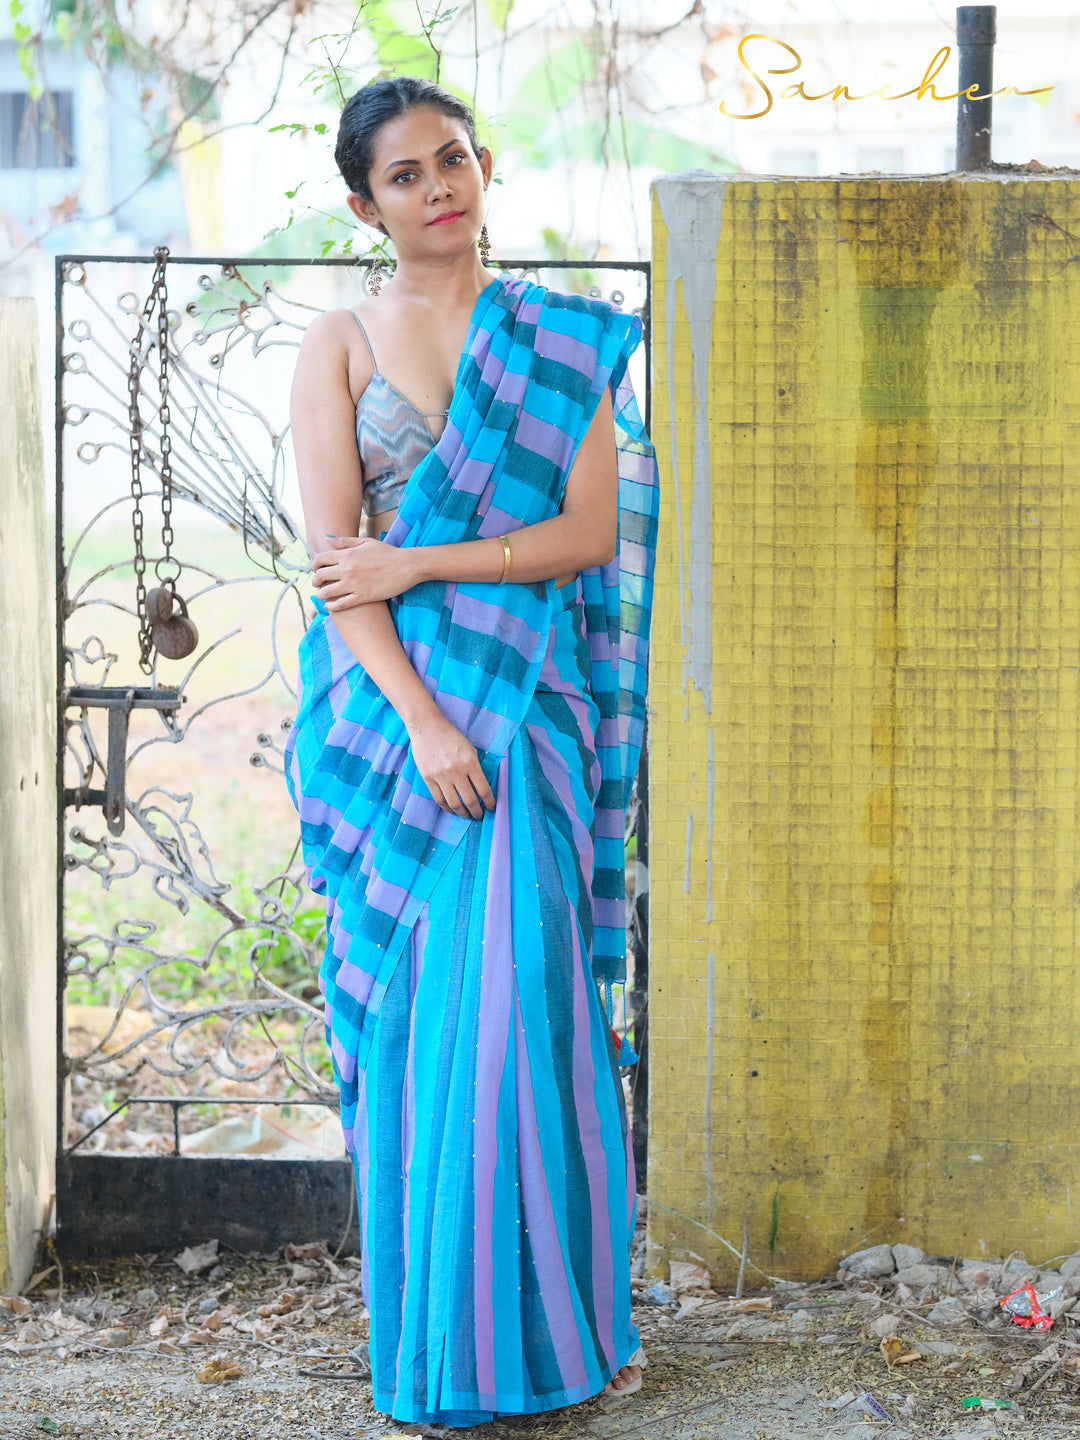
(375, 276)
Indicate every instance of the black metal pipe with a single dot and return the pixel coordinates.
(975, 36)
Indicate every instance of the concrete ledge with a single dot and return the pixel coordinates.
(27, 810)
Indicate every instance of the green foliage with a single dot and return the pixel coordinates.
(549, 86)
(24, 48)
(400, 48)
(217, 963)
(294, 128)
(499, 10)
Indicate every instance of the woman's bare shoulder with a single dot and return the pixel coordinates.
(332, 351)
(331, 326)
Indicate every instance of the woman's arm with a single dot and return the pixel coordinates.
(323, 420)
(353, 569)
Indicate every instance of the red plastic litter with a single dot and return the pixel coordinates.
(1026, 1311)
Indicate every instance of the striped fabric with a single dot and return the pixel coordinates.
(496, 1181)
(375, 843)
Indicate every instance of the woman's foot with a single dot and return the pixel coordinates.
(626, 1381)
(620, 1381)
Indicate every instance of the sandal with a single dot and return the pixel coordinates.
(610, 1397)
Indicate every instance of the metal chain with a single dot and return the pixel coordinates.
(161, 254)
(158, 297)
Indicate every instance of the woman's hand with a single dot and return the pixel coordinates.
(450, 767)
(358, 569)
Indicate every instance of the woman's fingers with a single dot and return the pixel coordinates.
(459, 794)
(476, 793)
(450, 768)
(469, 800)
(483, 789)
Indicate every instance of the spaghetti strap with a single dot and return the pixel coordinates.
(367, 342)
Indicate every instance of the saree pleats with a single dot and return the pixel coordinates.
(492, 1159)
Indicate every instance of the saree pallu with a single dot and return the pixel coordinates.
(480, 1098)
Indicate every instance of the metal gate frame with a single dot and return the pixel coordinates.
(119, 1204)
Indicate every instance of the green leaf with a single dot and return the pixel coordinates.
(15, 8)
(23, 32)
(65, 26)
(46, 1422)
(319, 129)
(499, 10)
(546, 89)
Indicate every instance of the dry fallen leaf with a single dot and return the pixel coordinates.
(33, 1333)
(198, 1337)
(16, 1304)
(744, 1307)
(312, 1250)
(37, 1278)
(281, 1306)
(217, 1371)
(897, 1353)
(67, 1324)
(885, 1325)
(689, 1305)
(197, 1257)
(164, 1347)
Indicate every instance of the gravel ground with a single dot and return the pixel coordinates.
(140, 1349)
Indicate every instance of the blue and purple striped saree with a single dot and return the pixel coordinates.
(480, 1097)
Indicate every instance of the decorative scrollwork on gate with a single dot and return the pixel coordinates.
(191, 944)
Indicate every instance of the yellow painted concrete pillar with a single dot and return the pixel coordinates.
(27, 811)
(865, 727)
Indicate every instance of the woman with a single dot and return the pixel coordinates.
(471, 702)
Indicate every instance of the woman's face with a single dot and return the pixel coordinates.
(424, 167)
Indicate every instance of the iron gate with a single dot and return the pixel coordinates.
(195, 1096)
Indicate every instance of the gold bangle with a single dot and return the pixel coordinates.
(506, 559)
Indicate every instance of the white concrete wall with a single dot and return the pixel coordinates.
(27, 810)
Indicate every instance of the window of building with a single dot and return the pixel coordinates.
(36, 134)
(794, 162)
(886, 158)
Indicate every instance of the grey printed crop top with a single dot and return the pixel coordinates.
(392, 435)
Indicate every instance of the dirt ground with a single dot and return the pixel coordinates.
(142, 1348)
